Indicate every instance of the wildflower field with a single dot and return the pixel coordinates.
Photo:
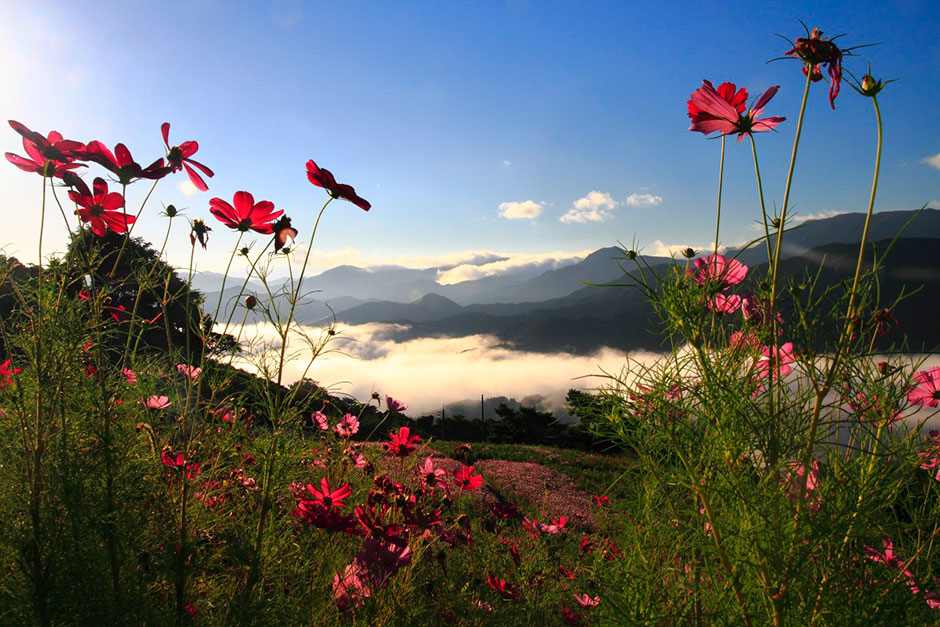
(773, 468)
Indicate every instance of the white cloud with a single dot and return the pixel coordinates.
(821, 215)
(643, 200)
(932, 161)
(934, 204)
(541, 262)
(525, 210)
(591, 208)
(507, 162)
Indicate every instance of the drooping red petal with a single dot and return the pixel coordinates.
(195, 179)
(205, 170)
(764, 99)
(97, 149)
(22, 163)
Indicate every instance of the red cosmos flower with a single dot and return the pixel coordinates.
(122, 164)
(601, 500)
(326, 497)
(178, 157)
(714, 113)
(100, 208)
(402, 444)
(466, 480)
(321, 177)
(705, 122)
(928, 390)
(505, 589)
(178, 462)
(7, 372)
(246, 214)
(48, 156)
(814, 51)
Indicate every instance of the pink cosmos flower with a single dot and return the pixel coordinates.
(889, 559)
(402, 444)
(351, 589)
(320, 419)
(7, 372)
(928, 390)
(930, 456)
(466, 480)
(586, 601)
(703, 121)
(246, 214)
(394, 405)
(557, 525)
(321, 177)
(715, 113)
(775, 361)
(129, 375)
(190, 371)
(179, 158)
(715, 269)
(722, 304)
(157, 402)
(430, 475)
(100, 208)
(348, 426)
(798, 480)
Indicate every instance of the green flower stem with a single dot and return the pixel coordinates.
(721, 179)
(760, 193)
(130, 230)
(140, 290)
(245, 284)
(296, 294)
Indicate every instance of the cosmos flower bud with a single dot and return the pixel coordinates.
(688, 253)
(170, 211)
(250, 301)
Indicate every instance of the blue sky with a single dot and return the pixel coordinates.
(441, 113)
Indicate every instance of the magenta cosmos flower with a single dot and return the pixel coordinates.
(328, 497)
(814, 52)
(706, 122)
(348, 426)
(716, 269)
(100, 208)
(6, 373)
(246, 214)
(715, 113)
(179, 158)
(122, 164)
(157, 402)
(394, 405)
(401, 444)
(321, 177)
(928, 390)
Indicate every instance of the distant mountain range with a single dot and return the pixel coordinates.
(555, 311)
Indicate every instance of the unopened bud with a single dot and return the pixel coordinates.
(171, 211)
(250, 301)
(688, 253)
(631, 254)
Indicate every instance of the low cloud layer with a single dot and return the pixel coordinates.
(428, 372)
(535, 262)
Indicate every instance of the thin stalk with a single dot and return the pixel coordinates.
(225, 276)
(296, 295)
(760, 193)
(140, 291)
(721, 179)
(130, 230)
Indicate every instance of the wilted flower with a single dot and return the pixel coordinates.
(199, 232)
(282, 232)
(814, 51)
